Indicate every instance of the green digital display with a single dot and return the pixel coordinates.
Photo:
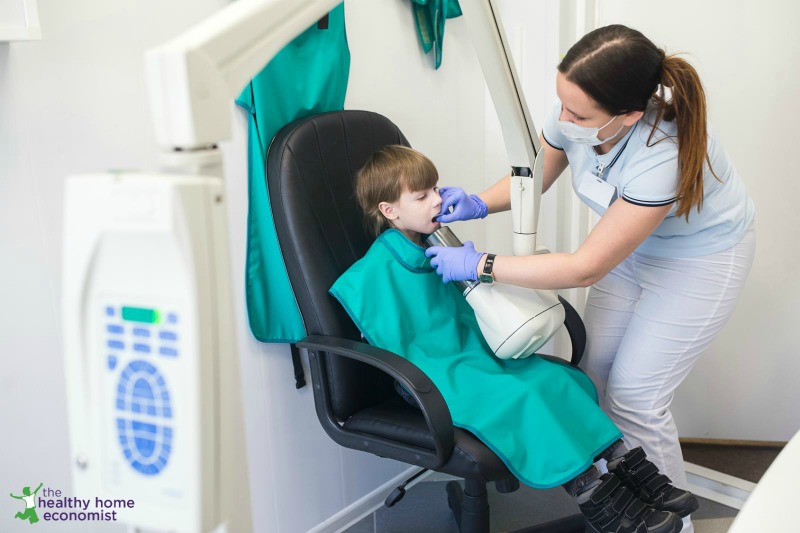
(140, 314)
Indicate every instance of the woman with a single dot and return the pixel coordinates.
(675, 241)
(540, 416)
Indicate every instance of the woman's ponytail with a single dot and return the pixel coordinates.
(680, 97)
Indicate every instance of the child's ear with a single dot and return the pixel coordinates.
(387, 210)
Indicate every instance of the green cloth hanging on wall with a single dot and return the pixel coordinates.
(429, 16)
(308, 76)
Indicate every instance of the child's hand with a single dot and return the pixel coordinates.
(455, 263)
(465, 207)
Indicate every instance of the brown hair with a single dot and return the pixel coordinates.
(622, 70)
(384, 177)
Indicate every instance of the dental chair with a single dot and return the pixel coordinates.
(311, 166)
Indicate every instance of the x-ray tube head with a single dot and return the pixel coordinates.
(515, 321)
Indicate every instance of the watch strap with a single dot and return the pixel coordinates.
(489, 264)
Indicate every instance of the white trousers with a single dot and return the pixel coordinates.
(647, 323)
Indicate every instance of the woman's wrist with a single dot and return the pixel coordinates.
(497, 197)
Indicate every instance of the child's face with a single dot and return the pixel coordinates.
(413, 212)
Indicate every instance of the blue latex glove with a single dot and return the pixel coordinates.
(455, 263)
(465, 207)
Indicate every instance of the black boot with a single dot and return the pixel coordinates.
(613, 508)
(644, 479)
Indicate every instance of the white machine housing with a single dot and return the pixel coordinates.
(515, 321)
(152, 372)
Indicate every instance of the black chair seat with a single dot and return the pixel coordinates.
(396, 420)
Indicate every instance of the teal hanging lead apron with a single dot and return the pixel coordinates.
(540, 417)
(308, 76)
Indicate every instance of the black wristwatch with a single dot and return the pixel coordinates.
(486, 276)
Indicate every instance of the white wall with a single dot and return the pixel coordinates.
(748, 56)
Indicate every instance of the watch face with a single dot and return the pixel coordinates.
(486, 278)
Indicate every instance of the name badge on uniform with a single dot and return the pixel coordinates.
(596, 190)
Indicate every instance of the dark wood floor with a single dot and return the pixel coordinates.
(745, 462)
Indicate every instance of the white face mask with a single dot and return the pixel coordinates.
(583, 135)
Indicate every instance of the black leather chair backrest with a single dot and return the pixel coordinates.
(311, 165)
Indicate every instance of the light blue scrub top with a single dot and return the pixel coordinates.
(648, 175)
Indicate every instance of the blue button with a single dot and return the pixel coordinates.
(144, 427)
(118, 345)
(109, 311)
(141, 332)
(145, 348)
(148, 469)
(167, 412)
(142, 389)
(172, 318)
(113, 328)
(121, 404)
(168, 335)
(112, 362)
(145, 446)
(168, 351)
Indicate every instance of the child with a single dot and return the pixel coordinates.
(540, 416)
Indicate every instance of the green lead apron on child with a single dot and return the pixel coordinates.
(540, 417)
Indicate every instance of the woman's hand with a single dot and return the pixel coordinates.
(455, 263)
(465, 207)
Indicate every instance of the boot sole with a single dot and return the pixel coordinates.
(677, 525)
(683, 513)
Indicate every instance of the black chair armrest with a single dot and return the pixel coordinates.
(576, 330)
(430, 400)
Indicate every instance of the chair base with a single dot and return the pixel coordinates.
(471, 510)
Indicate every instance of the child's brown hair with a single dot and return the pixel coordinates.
(384, 177)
